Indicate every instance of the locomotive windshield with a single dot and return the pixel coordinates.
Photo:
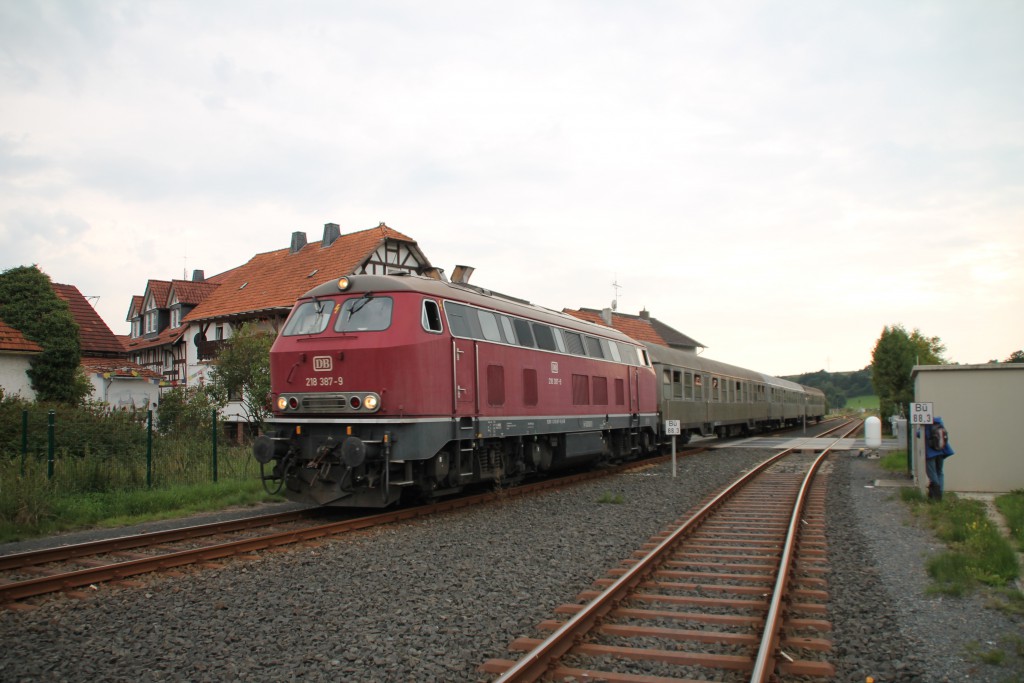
(368, 313)
(309, 318)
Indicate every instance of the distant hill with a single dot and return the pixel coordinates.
(838, 386)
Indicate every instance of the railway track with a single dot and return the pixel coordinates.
(66, 568)
(734, 592)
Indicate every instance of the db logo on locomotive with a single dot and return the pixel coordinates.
(322, 364)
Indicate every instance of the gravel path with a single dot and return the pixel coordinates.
(430, 600)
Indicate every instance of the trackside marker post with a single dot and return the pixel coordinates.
(673, 429)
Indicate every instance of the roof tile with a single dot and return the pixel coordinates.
(275, 279)
(13, 340)
(94, 335)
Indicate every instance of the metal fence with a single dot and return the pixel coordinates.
(81, 451)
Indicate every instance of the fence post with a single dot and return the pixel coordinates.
(24, 439)
(149, 449)
(49, 444)
(214, 412)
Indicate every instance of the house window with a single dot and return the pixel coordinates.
(218, 332)
(176, 316)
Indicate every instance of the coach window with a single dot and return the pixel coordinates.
(545, 338)
(489, 326)
(432, 316)
(698, 387)
(367, 313)
(666, 381)
(593, 347)
(688, 386)
(677, 384)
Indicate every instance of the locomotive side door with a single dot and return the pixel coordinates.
(464, 376)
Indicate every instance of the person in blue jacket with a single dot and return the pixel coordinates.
(936, 450)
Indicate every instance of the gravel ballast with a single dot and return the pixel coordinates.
(432, 599)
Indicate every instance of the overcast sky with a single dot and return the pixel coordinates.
(777, 180)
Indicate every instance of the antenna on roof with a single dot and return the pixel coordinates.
(616, 286)
(93, 300)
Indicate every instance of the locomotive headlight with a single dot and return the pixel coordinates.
(282, 402)
(344, 283)
(371, 402)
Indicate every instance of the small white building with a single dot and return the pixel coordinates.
(982, 409)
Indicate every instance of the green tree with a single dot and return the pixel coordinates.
(29, 304)
(1016, 357)
(242, 372)
(894, 357)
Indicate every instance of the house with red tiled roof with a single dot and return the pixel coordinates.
(260, 291)
(641, 327)
(157, 340)
(116, 381)
(16, 353)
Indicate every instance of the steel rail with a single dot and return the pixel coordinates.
(68, 552)
(764, 664)
(535, 663)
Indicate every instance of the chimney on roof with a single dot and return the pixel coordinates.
(298, 242)
(461, 274)
(606, 316)
(645, 314)
(198, 276)
(332, 231)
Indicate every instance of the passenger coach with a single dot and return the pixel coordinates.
(713, 398)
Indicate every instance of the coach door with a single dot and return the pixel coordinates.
(465, 376)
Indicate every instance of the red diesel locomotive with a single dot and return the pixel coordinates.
(392, 386)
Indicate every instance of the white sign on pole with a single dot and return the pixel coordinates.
(673, 428)
(921, 414)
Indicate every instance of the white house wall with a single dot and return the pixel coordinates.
(13, 378)
(125, 392)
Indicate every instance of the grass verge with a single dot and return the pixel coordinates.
(978, 554)
(73, 511)
(1012, 507)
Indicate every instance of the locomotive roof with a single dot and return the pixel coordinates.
(464, 293)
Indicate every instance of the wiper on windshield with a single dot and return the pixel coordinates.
(358, 306)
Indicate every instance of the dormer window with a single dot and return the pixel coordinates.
(176, 316)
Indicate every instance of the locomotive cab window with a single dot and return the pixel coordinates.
(367, 313)
(432, 316)
(308, 318)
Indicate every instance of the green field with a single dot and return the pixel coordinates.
(866, 402)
